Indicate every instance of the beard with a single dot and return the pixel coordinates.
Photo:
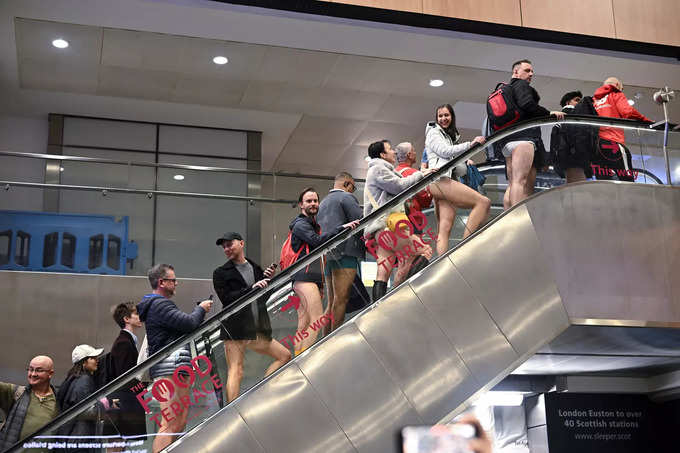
(311, 211)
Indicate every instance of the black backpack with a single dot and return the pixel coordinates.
(104, 370)
(571, 138)
(501, 107)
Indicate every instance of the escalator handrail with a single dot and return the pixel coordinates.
(284, 276)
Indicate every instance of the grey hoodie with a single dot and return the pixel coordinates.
(384, 183)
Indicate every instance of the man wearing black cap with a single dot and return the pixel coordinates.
(249, 327)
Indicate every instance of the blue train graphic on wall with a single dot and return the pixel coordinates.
(51, 242)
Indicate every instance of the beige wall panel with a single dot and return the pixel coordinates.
(498, 11)
(414, 6)
(586, 17)
(648, 21)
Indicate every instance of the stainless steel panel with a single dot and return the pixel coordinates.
(601, 340)
(641, 234)
(608, 247)
(668, 205)
(535, 410)
(227, 433)
(505, 267)
(362, 396)
(538, 439)
(574, 227)
(467, 324)
(572, 364)
(417, 354)
(286, 414)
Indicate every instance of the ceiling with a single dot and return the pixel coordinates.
(318, 97)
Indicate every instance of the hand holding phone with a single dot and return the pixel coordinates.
(271, 270)
(206, 304)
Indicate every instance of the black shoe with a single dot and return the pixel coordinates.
(379, 289)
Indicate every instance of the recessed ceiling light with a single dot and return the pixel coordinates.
(220, 60)
(61, 168)
(178, 177)
(631, 102)
(60, 43)
(436, 83)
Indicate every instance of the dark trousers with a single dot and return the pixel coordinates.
(612, 160)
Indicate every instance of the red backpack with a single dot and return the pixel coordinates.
(288, 255)
(501, 107)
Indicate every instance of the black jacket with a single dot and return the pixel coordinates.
(526, 98)
(229, 284)
(165, 322)
(123, 354)
(305, 230)
(72, 391)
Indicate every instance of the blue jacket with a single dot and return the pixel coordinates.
(305, 230)
(164, 322)
(340, 207)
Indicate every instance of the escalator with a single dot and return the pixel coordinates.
(595, 253)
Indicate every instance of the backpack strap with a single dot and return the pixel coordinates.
(19, 392)
(371, 199)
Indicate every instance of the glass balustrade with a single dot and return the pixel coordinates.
(399, 239)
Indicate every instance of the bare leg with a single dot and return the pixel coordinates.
(461, 196)
(310, 310)
(575, 175)
(447, 215)
(174, 425)
(272, 348)
(235, 351)
(521, 163)
(531, 182)
(330, 281)
(506, 195)
(384, 263)
(342, 280)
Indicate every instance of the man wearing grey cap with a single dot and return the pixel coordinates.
(249, 327)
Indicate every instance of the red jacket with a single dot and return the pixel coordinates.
(612, 103)
(423, 199)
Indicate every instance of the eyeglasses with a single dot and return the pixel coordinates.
(36, 370)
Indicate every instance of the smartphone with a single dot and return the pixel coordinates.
(210, 298)
(437, 438)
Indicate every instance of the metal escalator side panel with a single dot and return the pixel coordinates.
(228, 434)
(505, 267)
(459, 313)
(669, 216)
(359, 392)
(417, 354)
(610, 247)
(287, 414)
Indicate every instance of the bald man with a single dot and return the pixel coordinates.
(28, 407)
(611, 157)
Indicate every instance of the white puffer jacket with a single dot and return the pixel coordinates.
(443, 149)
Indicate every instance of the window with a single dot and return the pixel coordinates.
(50, 249)
(96, 251)
(22, 249)
(113, 252)
(5, 241)
(68, 250)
